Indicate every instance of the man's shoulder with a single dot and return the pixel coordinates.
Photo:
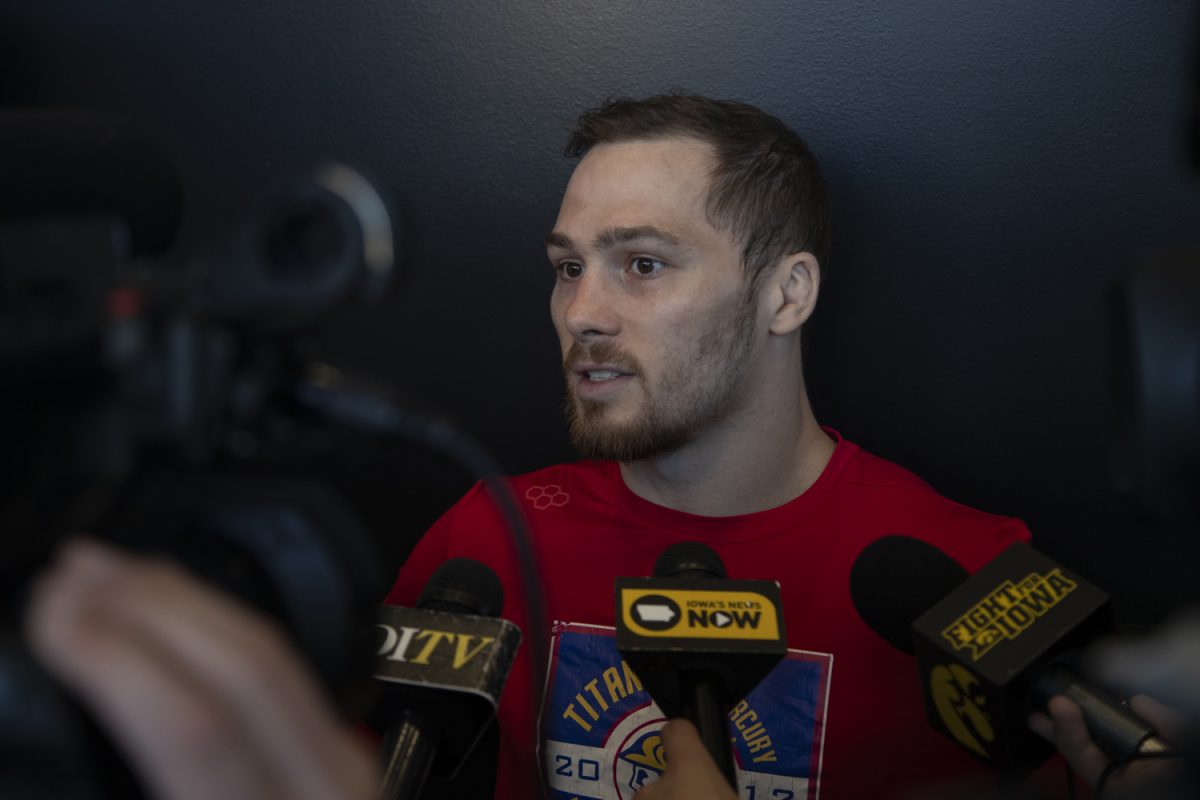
(869, 473)
(867, 470)
(894, 494)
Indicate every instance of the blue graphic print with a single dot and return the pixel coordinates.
(601, 729)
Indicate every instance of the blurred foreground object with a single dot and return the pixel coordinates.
(145, 388)
(203, 695)
(1156, 340)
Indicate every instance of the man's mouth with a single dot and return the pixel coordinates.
(600, 372)
(592, 377)
(599, 375)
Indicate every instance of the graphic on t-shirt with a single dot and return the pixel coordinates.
(549, 496)
(601, 729)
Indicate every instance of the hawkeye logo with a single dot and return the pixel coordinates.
(1008, 611)
(955, 693)
(706, 614)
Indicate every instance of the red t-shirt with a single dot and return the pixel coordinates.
(842, 716)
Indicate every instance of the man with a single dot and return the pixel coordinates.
(688, 251)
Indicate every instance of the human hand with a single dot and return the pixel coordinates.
(1065, 728)
(204, 696)
(691, 774)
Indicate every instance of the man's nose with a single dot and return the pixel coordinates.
(592, 310)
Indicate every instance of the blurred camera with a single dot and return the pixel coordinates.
(139, 385)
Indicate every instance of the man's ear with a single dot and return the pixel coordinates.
(796, 283)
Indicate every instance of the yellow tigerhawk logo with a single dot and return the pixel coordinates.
(960, 706)
(1009, 610)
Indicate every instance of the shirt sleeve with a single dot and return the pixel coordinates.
(993, 540)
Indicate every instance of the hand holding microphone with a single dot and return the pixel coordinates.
(691, 773)
(1164, 664)
(1063, 725)
(997, 645)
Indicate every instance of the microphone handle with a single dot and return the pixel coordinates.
(409, 749)
(703, 707)
(1114, 728)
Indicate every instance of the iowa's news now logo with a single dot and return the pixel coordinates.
(708, 613)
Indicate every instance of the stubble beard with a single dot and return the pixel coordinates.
(700, 388)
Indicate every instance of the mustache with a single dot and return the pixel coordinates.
(601, 353)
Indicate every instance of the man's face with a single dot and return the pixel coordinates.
(652, 309)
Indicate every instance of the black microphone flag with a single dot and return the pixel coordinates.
(698, 641)
(441, 650)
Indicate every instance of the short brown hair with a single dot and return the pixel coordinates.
(766, 189)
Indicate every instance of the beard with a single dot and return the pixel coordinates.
(701, 385)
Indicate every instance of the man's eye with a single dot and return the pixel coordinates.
(570, 270)
(644, 266)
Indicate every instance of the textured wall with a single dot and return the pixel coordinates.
(994, 166)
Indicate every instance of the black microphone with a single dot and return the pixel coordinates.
(698, 641)
(444, 665)
(994, 646)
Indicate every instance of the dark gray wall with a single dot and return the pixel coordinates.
(994, 167)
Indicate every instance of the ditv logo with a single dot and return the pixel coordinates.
(425, 646)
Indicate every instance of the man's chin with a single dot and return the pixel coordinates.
(608, 449)
(623, 443)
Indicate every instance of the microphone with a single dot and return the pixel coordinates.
(443, 665)
(698, 641)
(994, 646)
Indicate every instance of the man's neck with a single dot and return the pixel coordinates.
(760, 461)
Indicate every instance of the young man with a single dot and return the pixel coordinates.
(688, 251)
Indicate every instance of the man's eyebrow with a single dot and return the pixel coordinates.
(612, 236)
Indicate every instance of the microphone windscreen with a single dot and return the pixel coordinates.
(463, 586)
(896, 579)
(690, 560)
